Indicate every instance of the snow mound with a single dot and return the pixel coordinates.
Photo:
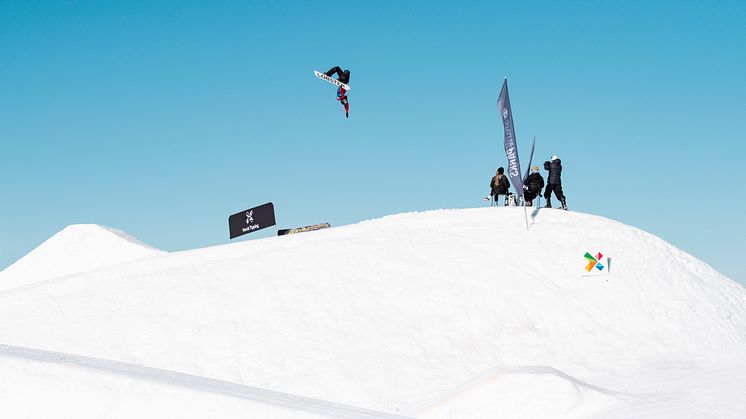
(395, 315)
(553, 394)
(77, 248)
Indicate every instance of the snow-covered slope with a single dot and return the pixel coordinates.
(448, 313)
(77, 248)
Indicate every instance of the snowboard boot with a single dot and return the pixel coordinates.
(548, 205)
(564, 204)
(529, 203)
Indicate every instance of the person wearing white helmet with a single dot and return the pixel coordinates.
(554, 181)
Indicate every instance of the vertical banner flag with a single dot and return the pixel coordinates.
(511, 148)
(530, 159)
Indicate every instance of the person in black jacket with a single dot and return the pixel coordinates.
(532, 186)
(554, 181)
(500, 185)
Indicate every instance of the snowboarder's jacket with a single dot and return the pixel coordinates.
(555, 171)
(342, 98)
(534, 182)
(500, 186)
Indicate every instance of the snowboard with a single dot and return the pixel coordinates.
(323, 76)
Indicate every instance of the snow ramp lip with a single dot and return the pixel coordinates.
(196, 382)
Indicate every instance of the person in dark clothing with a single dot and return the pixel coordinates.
(554, 181)
(343, 77)
(532, 186)
(499, 185)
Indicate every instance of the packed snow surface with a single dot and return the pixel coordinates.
(77, 248)
(441, 314)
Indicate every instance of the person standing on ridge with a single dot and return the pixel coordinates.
(532, 186)
(499, 185)
(554, 181)
(342, 77)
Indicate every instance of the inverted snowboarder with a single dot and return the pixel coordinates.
(343, 78)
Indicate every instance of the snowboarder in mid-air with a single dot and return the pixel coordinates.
(554, 181)
(342, 77)
(532, 186)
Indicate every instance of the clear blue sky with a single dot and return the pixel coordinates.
(162, 118)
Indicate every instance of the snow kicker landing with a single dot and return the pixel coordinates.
(199, 383)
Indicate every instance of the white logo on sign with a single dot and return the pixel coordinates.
(505, 113)
(249, 217)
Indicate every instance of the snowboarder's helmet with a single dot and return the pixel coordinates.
(553, 158)
(500, 170)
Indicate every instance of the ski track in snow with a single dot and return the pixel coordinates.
(196, 382)
(492, 373)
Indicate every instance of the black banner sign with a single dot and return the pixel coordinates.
(251, 220)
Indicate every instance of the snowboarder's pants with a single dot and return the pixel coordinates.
(346, 104)
(557, 192)
(497, 197)
(342, 76)
(530, 195)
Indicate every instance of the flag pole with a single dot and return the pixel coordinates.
(525, 213)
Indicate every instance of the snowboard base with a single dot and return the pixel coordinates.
(323, 76)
